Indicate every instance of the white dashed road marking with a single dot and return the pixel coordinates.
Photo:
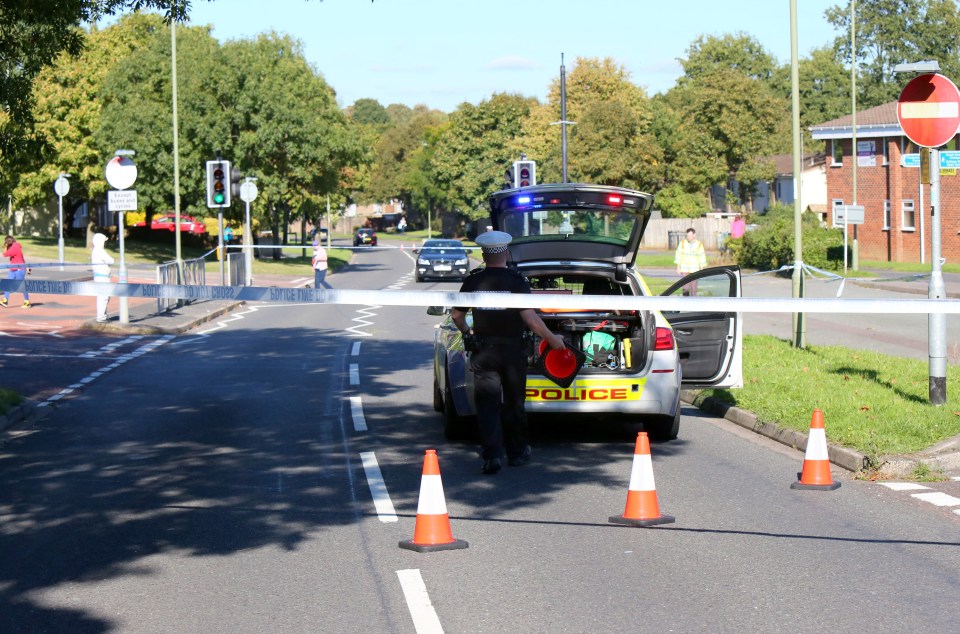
(356, 411)
(356, 349)
(378, 488)
(938, 498)
(904, 486)
(354, 374)
(425, 619)
(148, 347)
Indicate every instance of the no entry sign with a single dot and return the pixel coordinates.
(929, 110)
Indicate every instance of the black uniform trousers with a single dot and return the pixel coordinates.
(500, 381)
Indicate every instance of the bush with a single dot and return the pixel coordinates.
(770, 246)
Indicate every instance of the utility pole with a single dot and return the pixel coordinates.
(853, 99)
(563, 123)
(799, 325)
(176, 147)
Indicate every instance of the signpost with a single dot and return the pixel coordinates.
(847, 215)
(62, 187)
(929, 114)
(248, 193)
(121, 173)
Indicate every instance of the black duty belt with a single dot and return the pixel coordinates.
(500, 341)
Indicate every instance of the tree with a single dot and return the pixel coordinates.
(137, 115)
(67, 113)
(473, 151)
(289, 130)
(32, 34)
(725, 123)
(612, 142)
(739, 51)
(369, 112)
(824, 89)
(889, 32)
(395, 155)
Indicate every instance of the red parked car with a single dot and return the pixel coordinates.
(168, 221)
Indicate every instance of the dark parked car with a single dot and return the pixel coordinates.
(445, 259)
(365, 235)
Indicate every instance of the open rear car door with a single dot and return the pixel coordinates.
(710, 344)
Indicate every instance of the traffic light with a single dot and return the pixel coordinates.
(218, 184)
(509, 175)
(235, 181)
(525, 173)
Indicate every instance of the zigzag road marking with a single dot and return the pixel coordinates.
(366, 311)
(110, 347)
(51, 333)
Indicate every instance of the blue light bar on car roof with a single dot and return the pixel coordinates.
(523, 200)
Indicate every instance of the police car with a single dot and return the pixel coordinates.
(579, 239)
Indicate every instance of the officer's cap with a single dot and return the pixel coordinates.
(494, 241)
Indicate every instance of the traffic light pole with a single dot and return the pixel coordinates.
(936, 322)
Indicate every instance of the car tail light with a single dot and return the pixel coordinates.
(664, 339)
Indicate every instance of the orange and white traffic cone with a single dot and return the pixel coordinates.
(642, 506)
(432, 530)
(816, 462)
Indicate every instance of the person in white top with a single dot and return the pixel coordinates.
(101, 261)
(319, 263)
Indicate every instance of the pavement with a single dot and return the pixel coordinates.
(78, 312)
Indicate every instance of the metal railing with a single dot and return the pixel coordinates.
(194, 274)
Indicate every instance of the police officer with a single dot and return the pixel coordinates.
(498, 360)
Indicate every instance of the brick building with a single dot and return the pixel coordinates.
(889, 192)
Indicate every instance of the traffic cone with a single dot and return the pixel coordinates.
(642, 506)
(816, 462)
(432, 530)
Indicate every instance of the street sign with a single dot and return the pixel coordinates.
(121, 172)
(248, 191)
(61, 186)
(949, 160)
(122, 200)
(848, 214)
(929, 110)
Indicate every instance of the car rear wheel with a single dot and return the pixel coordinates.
(664, 427)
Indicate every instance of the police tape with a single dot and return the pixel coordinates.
(584, 303)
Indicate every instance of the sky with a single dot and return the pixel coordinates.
(444, 52)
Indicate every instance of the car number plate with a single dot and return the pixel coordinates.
(442, 267)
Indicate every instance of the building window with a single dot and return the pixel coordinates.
(886, 215)
(908, 147)
(906, 213)
(834, 204)
(836, 149)
(886, 151)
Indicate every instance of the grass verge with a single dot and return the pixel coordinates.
(874, 403)
(296, 261)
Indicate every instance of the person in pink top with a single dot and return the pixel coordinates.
(738, 227)
(13, 250)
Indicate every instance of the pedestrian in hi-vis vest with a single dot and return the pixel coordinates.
(690, 258)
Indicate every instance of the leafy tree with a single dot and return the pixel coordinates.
(137, 115)
(396, 152)
(726, 122)
(67, 113)
(824, 85)
(33, 33)
(889, 32)
(473, 151)
(289, 130)
(369, 112)
(612, 142)
(740, 51)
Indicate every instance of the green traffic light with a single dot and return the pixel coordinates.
(218, 199)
